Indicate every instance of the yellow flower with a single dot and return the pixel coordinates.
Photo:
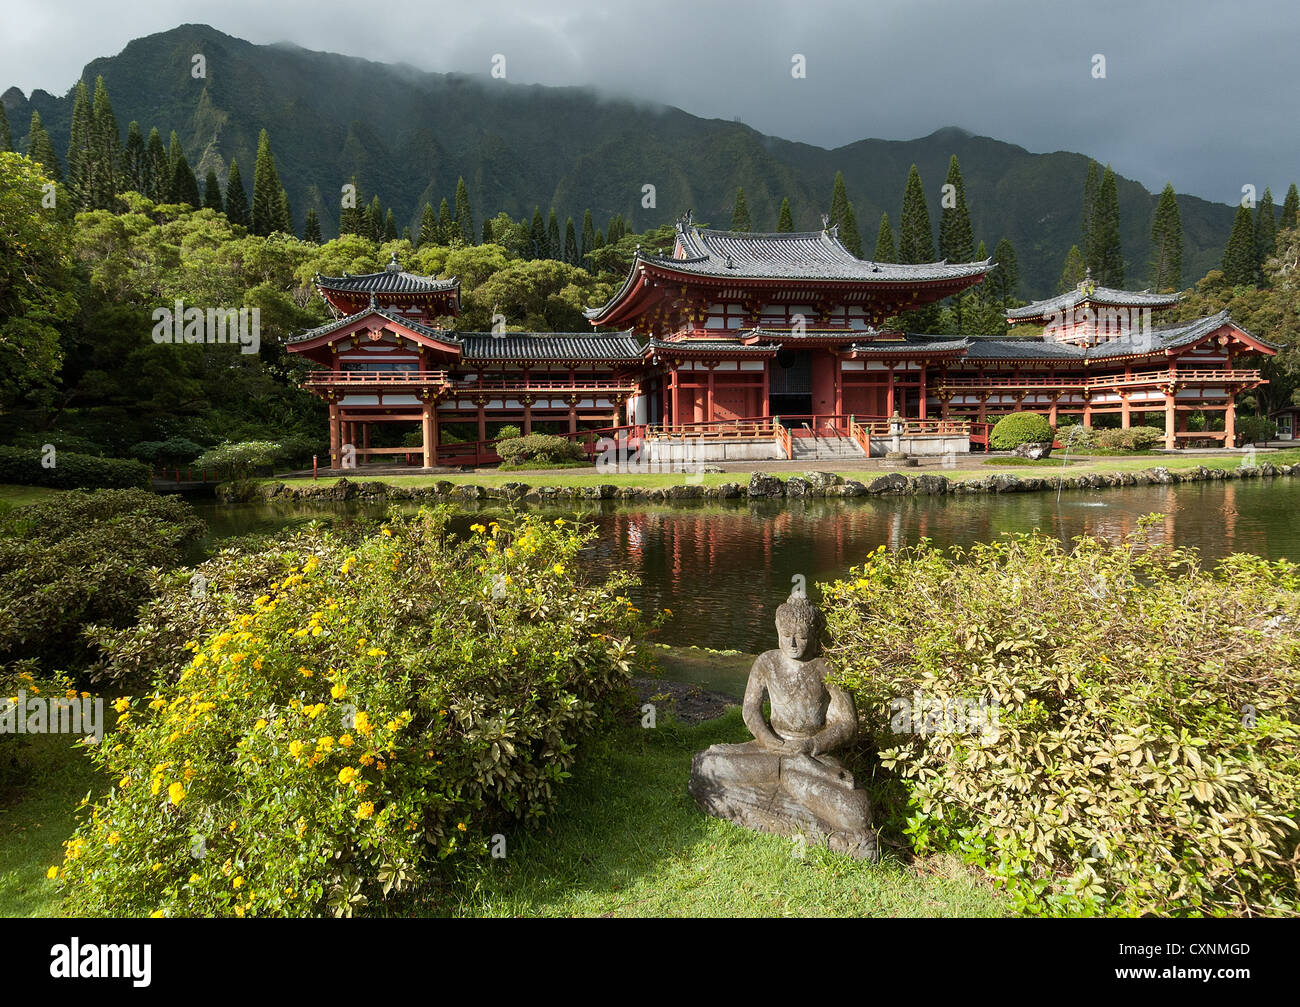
(176, 793)
(124, 782)
(155, 786)
(121, 705)
(559, 522)
(157, 914)
(237, 883)
(114, 838)
(194, 878)
(52, 873)
(558, 568)
(362, 722)
(347, 774)
(338, 689)
(261, 723)
(366, 809)
(295, 748)
(460, 826)
(345, 740)
(387, 532)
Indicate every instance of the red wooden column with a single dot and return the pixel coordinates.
(1171, 441)
(482, 420)
(528, 415)
(708, 407)
(1125, 412)
(676, 398)
(334, 435)
(922, 404)
(428, 435)
(889, 394)
(767, 409)
(1230, 423)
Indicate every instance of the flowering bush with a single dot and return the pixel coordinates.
(385, 705)
(1145, 752)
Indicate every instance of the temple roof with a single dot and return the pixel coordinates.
(392, 279)
(723, 346)
(1088, 292)
(1157, 339)
(549, 346)
(911, 342)
(441, 335)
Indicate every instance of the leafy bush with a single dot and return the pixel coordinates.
(26, 467)
(509, 432)
(242, 460)
(539, 448)
(1133, 439)
(173, 451)
(1019, 428)
(20, 760)
(384, 706)
(1255, 429)
(1146, 756)
(1074, 435)
(83, 558)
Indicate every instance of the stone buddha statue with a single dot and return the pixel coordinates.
(786, 781)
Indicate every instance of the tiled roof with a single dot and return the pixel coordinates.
(1157, 339)
(392, 279)
(549, 346)
(442, 335)
(713, 345)
(1088, 292)
(912, 343)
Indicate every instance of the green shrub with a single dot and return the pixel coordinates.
(68, 470)
(242, 460)
(1255, 429)
(81, 559)
(173, 451)
(539, 448)
(1019, 428)
(1141, 438)
(1146, 758)
(386, 705)
(509, 432)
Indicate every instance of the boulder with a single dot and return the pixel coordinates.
(1034, 450)
(764, 486)
(931, 485)
(820, 482)
(895, 482)
(796, 487)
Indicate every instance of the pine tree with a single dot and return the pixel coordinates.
(464, 215)
(105, 151)
(1239, 256)
(1265, 233)
(390, 226)
(955, 236)
(266, 215)
(1108, 268)
(843, 218)
(157, 168)
(740, 212)
(785, 219)
(588, 234)
(311, 227)
(133, 160)
(1075, 270)
(184, 186)
(615, 231)
(1290, 208)
(40, 150)
(173, 154)
(915, 239)
(374, 224)
(6, 137)
(1087, 239)
(212, 192)
(1167, 243)
(283, 214)
(884, 242)
(570, 243)
(488, 237)
(78, 160)
(406, 233)
(537, 235)
(982, 252)
(555, 249)
(600, 239)
(236, 197)
(428, 226)
(1006, 278)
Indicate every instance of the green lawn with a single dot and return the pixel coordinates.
(17, 496)
(627, 840)
(36, 819)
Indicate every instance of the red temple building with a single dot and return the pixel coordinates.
(740, 345)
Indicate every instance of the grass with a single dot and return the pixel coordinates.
(35, 820)
(627, 840)
(19, 496)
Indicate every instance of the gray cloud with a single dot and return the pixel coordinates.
(1198, 93)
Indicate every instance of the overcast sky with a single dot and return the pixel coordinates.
(1203, 94)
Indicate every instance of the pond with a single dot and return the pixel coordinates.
(722, 568)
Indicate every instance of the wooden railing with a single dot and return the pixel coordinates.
(1203, 375)
(784, 442)
(758, 428)
(376, 377)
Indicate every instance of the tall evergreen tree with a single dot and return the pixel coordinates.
(1167, 243)
(884, 242)
(617, 229)
(1074, 271)
(446, 223)
(283, 214)
(41, 150)
(843, 218)
(740, 212)
(915, 239)
(78, 160)
(406, 233)
(600, 239)
(1007, 276)
(571, 243)
(311, 227)
(1108, 268)
(428, 226)
(955, 236)
(6, 137)
(173, 153)
(1290, 208)
(785, 219)
(133, 160)
(1265, 232)
(104, 178)
(1239, 256)
(375, 220)
(1091, 187)
(184, 186)
(212, 192)
(555, 249)
(157, 168)
(266, 214)
(537, 235)
(390, 226)
(236, 198)
(464, 215)
(588, 234)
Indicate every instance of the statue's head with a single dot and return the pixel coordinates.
(798, 628)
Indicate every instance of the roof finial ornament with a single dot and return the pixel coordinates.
(730, 264)
(685, 220)
(826, 221)
(393, 265)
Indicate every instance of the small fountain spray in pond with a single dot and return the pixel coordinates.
(1069, 440)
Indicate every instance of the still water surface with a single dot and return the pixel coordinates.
(723, 568)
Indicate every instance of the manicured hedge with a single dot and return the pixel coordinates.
(1020, 428)
(24, 467)
(539, 448)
